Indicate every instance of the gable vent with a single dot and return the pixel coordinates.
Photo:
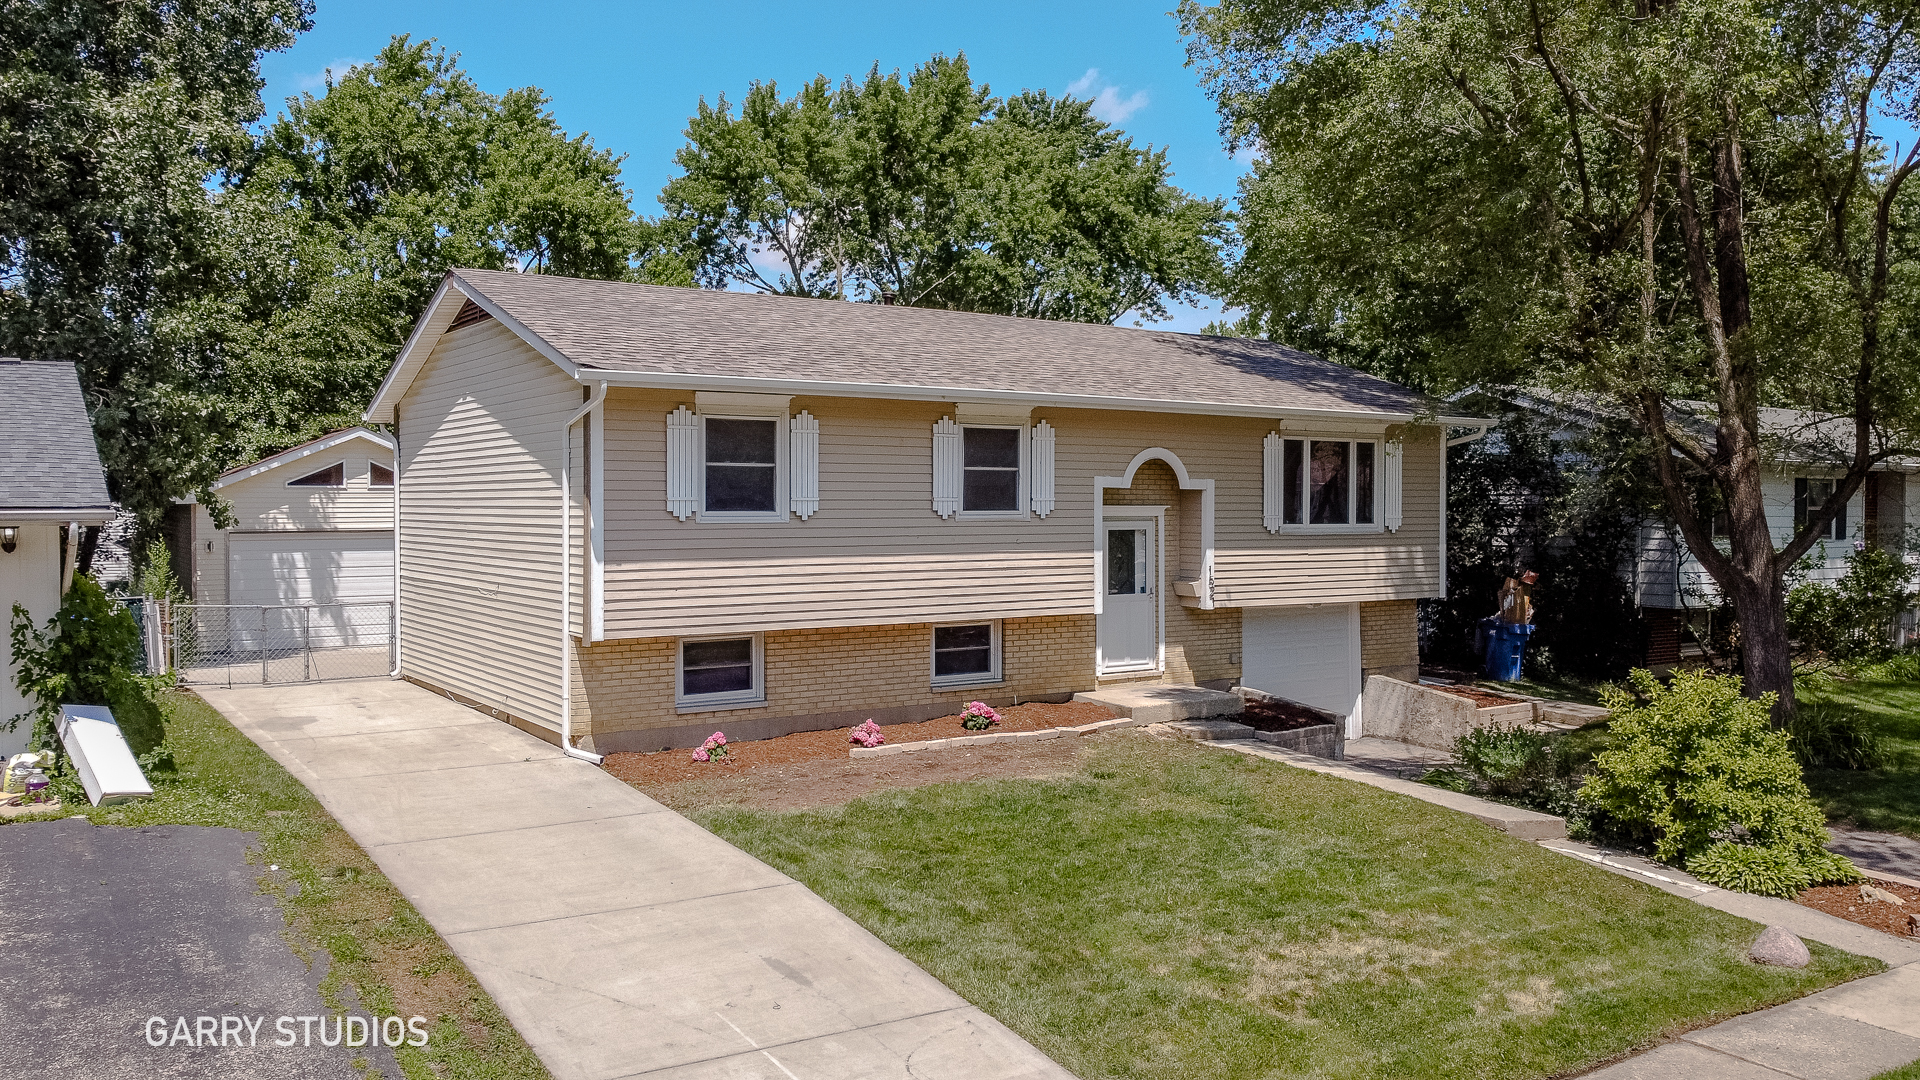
(470, 313)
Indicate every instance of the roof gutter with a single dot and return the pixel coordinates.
(1481, 426)
(673, 380)
(566, 578)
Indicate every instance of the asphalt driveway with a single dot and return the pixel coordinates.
(103, 929)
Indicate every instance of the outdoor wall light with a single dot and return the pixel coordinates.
(9, 538)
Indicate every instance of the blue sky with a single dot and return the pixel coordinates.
(630, 74)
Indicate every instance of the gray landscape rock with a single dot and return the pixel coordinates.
(1777, 946)
(1875, 895)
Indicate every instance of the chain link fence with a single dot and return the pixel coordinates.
(236, 644)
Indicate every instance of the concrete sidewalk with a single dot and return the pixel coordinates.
(621, 939)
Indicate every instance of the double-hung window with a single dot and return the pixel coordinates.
(990, 478)
(1809, 495)
(1328, 482)
(966, 654)
(742, 466)
(720, 671)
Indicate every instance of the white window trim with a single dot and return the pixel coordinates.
(1377, 525)
(1023, 489)
(732, 699)
(948, 682)
(780, 468)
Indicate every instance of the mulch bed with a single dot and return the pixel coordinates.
(672, 766)
(1484, 698)
(1846, 902)
(1279, 716)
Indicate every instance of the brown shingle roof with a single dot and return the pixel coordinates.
(620, 327)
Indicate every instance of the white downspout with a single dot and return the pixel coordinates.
(566, 578)
(72, 563)
(395, 673)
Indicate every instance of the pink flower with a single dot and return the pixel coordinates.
(702, 755)
(867, 734)
(718, 738)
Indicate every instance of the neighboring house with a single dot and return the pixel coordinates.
(786, 514)
(311, 525)
(1805, 457)
(51, 488)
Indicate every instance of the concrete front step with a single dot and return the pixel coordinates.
(1162, 704)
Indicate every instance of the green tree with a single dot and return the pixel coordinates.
(1654, 200)
(115, 121)
(930, 190)
(357, 202)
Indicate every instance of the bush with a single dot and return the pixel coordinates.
(1718, 789)
(1853, 619)
(1525, 768)
(1830, 736)
(87, 654)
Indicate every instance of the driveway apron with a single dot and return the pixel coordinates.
(621, 939)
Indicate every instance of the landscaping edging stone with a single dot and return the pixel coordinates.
(991, 737)
(1423, 716)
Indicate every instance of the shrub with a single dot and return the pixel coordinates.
(867, 734)
(1513, 765)
(1830, 736)
(87, 654)
(1853, 619)
(978, 716)
(1717, 788)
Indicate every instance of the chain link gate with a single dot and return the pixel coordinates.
(234, 644)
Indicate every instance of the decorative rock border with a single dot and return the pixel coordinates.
(993, 737)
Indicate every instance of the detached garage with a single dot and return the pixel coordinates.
(313, 526)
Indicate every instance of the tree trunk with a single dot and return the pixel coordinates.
(1766, 652)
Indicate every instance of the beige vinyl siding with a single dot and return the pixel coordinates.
(209, 559)
(479, 522)
(876, 554)
(265, 503)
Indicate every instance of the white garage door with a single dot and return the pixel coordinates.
(1308, 654)
(310, 568)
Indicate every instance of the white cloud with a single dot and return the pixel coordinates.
(312, 81)
(1108, 105)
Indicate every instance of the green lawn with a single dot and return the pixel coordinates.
(1174, 911)
(1886, 799)
(386, 959)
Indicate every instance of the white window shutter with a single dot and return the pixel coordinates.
(1390, 475)
(683, 463)
(946, 467)
(803, 464)
(1043, 468)
(1274, 498)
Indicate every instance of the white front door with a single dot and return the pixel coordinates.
(1129, 624)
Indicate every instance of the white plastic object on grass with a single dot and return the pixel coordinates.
(101, 756)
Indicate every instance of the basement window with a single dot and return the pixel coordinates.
(720, 672)
(966, 654)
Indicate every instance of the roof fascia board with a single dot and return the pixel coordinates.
(893, 392)
(441, 310)
(85, 515)
(302, 452)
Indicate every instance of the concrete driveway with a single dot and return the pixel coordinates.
(103, 929)
(621, 939)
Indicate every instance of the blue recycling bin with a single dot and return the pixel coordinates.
(1506, 643)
